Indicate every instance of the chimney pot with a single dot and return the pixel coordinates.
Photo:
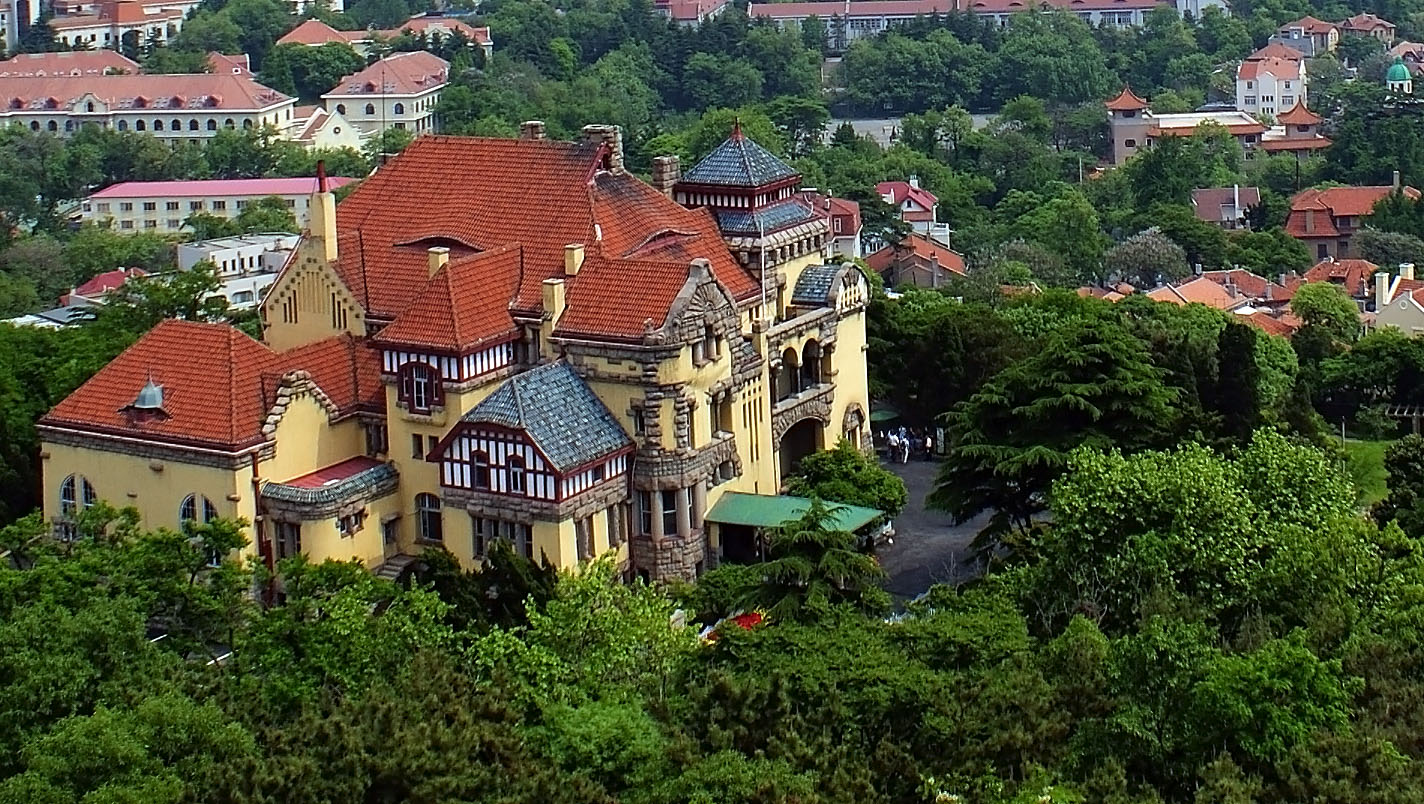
(573, 258)
(435, 258)
(1395, 183)
(1406, 270)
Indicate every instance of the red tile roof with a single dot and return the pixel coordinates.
(1333, 202)
(1280, 68)
(478, 194)
(1270, 324)
(77, 62)
(1276, 50)
(333, 473)
(1299, 144)
(1310, 25)
(1126, 101)
(199, 91)
(1298, 115)
(919, 247)
(407, 73)
(316, 32)
(901, 190)
(436, 24)
(103, 283)
(1249, 285)
(1366, 23)
(218, 385)
(223, 63)
(600, 304)
(464, 306)
(1355, 276)
(1197, 291)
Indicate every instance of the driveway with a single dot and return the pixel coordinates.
(929, 548)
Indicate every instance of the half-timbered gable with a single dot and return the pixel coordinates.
(542, 435)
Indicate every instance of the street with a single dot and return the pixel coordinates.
(929, 548)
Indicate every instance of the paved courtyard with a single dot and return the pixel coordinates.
(929, 548)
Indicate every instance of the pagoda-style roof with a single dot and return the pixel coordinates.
(739, 162)
(1126, 101)
(1298, 115)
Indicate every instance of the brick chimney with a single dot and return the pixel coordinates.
(611, 136)
(531, 130)
(666, 172)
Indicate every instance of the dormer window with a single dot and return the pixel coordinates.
(419, 387)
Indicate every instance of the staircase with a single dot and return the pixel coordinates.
(393, 567)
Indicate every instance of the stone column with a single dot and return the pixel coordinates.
(699, 503)
(656, 503)
(684, 515)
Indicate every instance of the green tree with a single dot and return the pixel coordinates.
(847, 475)
(1147, 259)
(270, 214)
(1089, 384)
(1327, 309)
(712, 81)
(1404, 505)
(812, 568)
(1388, 249)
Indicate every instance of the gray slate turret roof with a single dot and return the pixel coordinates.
(739, 162)
(558, 411)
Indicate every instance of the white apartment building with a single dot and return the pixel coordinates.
(162, 206)
(1270, 85)
(104, 24)
(242, 254)
(399, 91)
(171, 107)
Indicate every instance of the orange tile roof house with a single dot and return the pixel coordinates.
(399, 91)
(77, 62)
(916, 261)
(1325, 220)
(1399, 301)
(171, 107)
(1311, 36)
(1133, 125)
(1256, 289)
(1199, 291)
(1268, 85)
(1353, 275)
(498, 340)
(1366, 24)
(314, 32)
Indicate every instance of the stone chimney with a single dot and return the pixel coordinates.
(1381, 291)
(666, 172)
(1395, 181)
(914, 181)
(435, 258)
(611, 136)
(1406, 270)
(531, 130)
(573, 259)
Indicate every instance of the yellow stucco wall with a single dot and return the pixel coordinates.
(322, 539)
(307, 441)
(155, 488)
(308, 302)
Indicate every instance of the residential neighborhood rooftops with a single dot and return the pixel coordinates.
(1198, 291)
(918, 246)
(216, 187)
(1333, 202)
(1352, 274)
(1366, 23)
(897, 191)
(1310, 25)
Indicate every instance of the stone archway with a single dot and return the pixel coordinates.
(800, 439)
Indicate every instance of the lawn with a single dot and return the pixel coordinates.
(1365, 462)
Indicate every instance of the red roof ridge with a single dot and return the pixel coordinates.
(1126, 100)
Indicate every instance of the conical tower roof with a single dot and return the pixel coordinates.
(739, 162)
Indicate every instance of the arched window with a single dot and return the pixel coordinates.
(247, 123)
(482, 470)
(69, 125)
(197, 508)
(193, 124)
(427, 518)
(89, 107)
(419, 387)
(52, 126)
(212, 124)
(34, 125)
(517, 483)
(810, 364)
(370, 108)
(229, 124)
(399, 108)
(123, 125)
(176, 125)
(341, 108)
(76, 491)
(138, 125)
(157, 124)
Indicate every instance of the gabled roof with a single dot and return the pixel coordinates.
(1280, 68)
(199, 91)
(1208, 201)
(477, 194)
(920, 247)
(1126, 101)
(218, 385)
(1354, 275)
(407, 73)
(1367, 22)
(739, 162)
(103, 283)
(1270, 324)
(464, 306)
(1310, 25)
(1197, 291)
(1298, 115)
(435, 23)
(898, 191)
(1333, 202)
(1252, 286)
(237, 64)
(1276, 50)
(76, 62)
(558, 411)
(316, 32)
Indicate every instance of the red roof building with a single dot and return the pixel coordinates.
(1126, 101)
(1354, 275)
(73, 63)
(1326, 219)
(313, 32)
(917, 261)
(1366, 24)
(98, 287)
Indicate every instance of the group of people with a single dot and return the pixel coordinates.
(904, 441)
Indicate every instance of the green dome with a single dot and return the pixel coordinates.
(1398, 73)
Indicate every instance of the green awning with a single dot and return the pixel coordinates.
(764, 511)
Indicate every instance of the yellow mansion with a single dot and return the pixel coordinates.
(497, 339)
